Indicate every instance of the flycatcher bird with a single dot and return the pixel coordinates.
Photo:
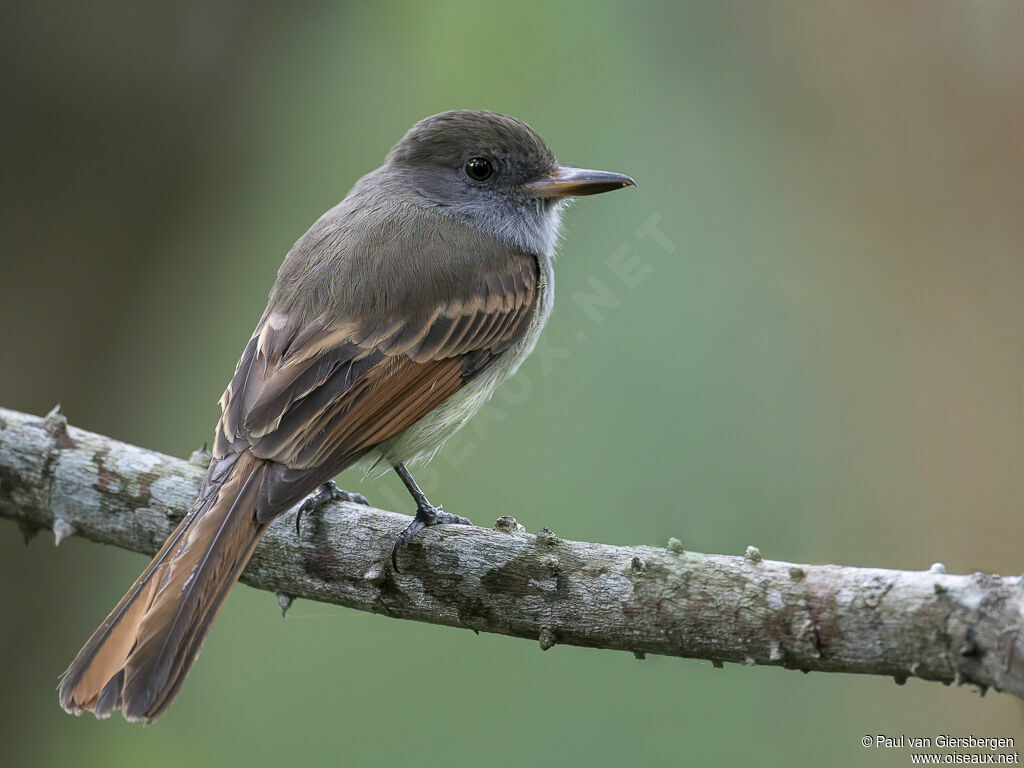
(391, 322)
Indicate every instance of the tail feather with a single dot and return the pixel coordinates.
(138, 658)
(112, 642)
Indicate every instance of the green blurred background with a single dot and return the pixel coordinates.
(824, 359)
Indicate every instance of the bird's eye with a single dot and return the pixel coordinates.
(479, 169)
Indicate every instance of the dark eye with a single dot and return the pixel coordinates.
(479, 169)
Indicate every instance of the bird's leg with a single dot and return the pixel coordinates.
(323, 494)
(426, 514)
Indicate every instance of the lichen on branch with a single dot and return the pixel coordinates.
(963, 629)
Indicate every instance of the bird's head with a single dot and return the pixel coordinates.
(493, 172)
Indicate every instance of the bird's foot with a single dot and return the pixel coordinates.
(426, 516)
(325, 493)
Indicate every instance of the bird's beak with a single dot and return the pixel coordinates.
(564, 181)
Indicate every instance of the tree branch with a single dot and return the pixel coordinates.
(954, 629)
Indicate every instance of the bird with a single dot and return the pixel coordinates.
(392, 321)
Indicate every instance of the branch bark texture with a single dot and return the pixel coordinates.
(663, 600)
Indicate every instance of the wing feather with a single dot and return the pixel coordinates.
(318, 396)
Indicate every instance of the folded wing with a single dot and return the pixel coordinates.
(316, 396)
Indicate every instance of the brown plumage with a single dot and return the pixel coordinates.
(397, 302)
(137, 658)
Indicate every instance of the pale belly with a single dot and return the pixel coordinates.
(419, 442)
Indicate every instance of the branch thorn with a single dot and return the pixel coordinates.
(28, 531)
(546, 536)
(56, 421)
(547, 639)
(376, 574)
(508, 524)
(201, 457)
(285, 602)
(61, 530)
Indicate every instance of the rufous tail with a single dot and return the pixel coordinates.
(138, 657)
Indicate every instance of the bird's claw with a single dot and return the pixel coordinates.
(426, 516)
(329, 491)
